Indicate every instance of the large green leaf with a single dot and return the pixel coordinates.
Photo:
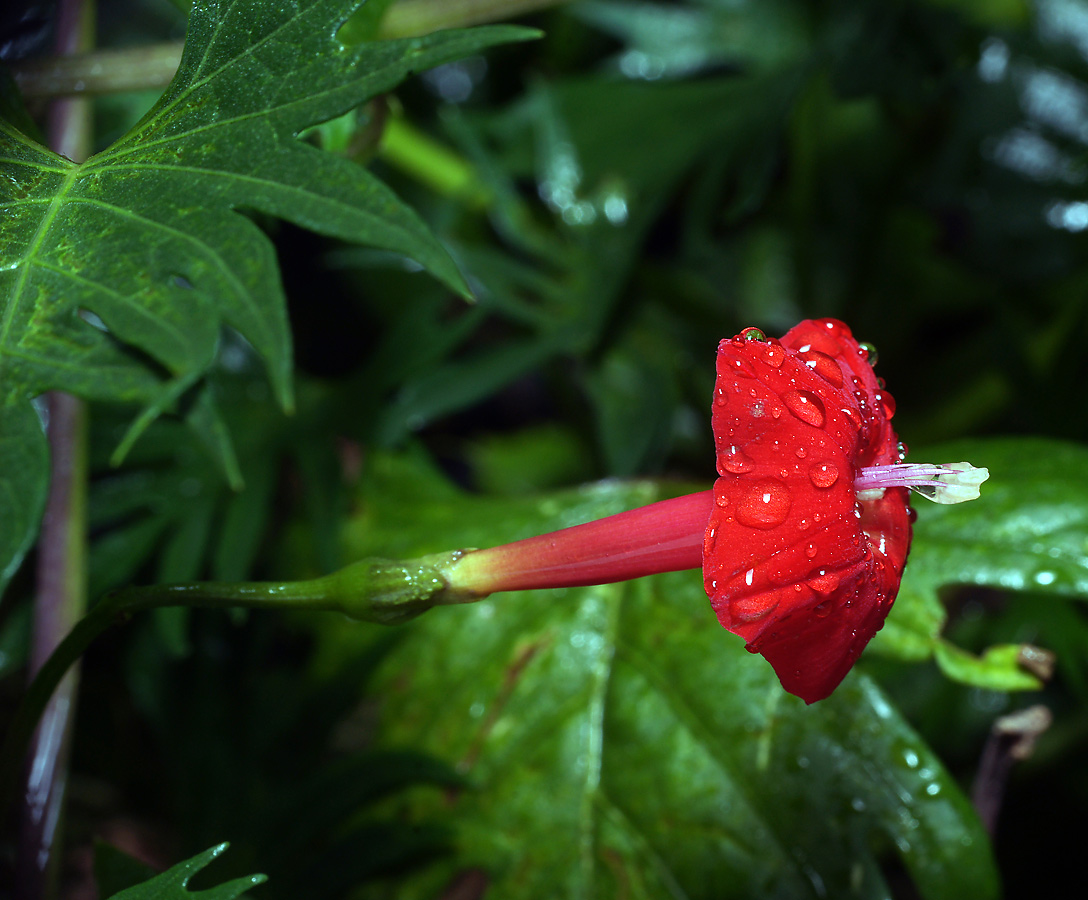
(172, 884)
(118, 274)
(1028, 531)
(620, 743)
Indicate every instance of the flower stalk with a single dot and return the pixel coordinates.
(384, 591)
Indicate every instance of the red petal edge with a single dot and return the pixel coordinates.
(793, 562)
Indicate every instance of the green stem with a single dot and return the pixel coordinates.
(431, 163)
(99, 72)
(414, 17)
(152, 66)
(374, 590)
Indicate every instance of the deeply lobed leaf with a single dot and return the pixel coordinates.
(619, 742)
(118, 274)
(173, 883)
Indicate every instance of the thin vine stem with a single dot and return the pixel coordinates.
(387, 592)
(151, 66)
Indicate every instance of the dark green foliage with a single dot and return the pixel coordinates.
(620, 744)
(645, 179)
(173, 884)
(147, 237)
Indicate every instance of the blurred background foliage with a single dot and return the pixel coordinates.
(645, 179)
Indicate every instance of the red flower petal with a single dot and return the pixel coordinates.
(793, 561)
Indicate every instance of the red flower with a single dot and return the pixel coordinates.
(797, 560)
(803, 539)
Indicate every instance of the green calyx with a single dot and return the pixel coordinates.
(393, 591)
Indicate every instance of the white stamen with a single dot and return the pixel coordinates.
(948, 483)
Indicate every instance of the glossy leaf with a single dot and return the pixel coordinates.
(173, 883)
(673, 40)
(24, 474)
(617, 740)
(118, 274)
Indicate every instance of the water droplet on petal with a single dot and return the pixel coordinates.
(774, 355)
(752, 334)
(811, 550)
(901, 451)
(853, 415)
(824, 582)
(823, 475)
(868, 352)
(824, 366)
(887, 402)
(740, 367)
(735, 462)
(751, 609)
(801, 452)
(720, 397)
(806, 406)
(765, 505)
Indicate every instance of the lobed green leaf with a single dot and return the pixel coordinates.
(620, 743)
(118, 274)
(173, 883)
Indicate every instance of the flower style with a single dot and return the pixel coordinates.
(804, 537)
